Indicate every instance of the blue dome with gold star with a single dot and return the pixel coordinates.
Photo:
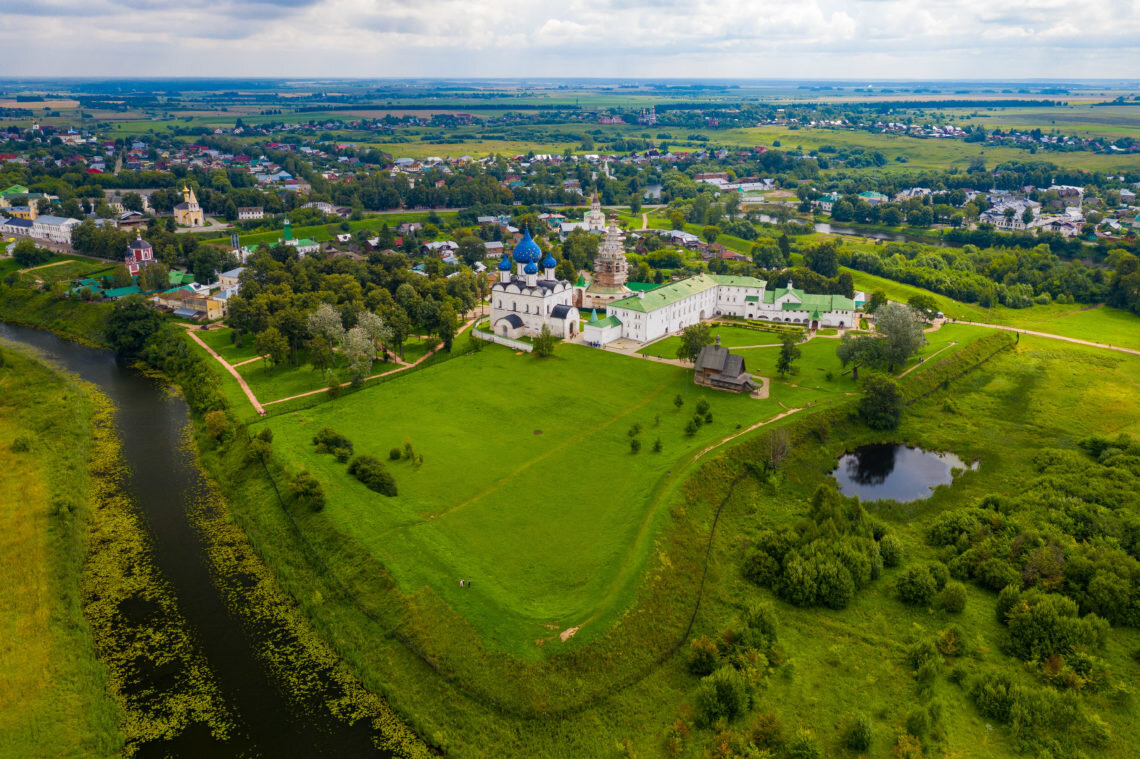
(527, 251)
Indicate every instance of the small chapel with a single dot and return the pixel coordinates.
(522, 301)
(188, 213)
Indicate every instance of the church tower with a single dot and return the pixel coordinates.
(611, 270)
(595, 219)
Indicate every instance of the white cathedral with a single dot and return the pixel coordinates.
(521, 302)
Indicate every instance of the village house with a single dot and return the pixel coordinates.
(716, 367)
(250, 213)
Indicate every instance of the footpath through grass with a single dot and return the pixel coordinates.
(54, 700)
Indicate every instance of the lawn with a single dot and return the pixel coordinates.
(220, 339)
(730, 337)
(271, 383)
(64, 268)
(54, 700)
(528, 487)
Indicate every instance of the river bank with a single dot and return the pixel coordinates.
(205, 655)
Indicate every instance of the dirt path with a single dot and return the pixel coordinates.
(241, 380)
(44, 266)
(926, 358)
(1054, 337)
(744, 431)
(249, 360)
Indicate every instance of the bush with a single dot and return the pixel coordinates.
(952, 598)
(634, 445)
(950, 642)
(803, 745)
(657, 445)
(372, 473)
(918, 722)
(307, 492)
(702, 407)
(329, 440)
(722, 695)
(692, 427)
(266, 435)
(916, 586)
(891, 550)
(857, 735)
(20, 445)
(394, 454)
(703, 656)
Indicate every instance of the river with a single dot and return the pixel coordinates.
(163, 480)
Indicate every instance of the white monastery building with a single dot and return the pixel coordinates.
(649, 315)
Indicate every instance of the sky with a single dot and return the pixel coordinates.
(899, 39)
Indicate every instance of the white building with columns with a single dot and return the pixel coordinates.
(522, 301)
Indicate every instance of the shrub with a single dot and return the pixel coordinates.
(952, 598)
(891, 550)
(703, 656)
(217, 425)
(1007, 599)
(918, 722)
(996, 574)
(722, 695)
(921, 652)
(20, 445)
(334, 388)
(342, 454)
(803, 745)
(857, 735)
(394, 454)
(635, 430)
(634, 445)
(950, 642)
(702, 407)
(708, 417)
(266, 434)
(372, 473)
(678, 401)
(307, 492)
(329, 440)
(691, 428)
(657, 445)
(916, 586)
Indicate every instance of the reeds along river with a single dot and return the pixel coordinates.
(241, 701)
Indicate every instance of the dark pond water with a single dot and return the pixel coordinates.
(898, 472)
(163, 481)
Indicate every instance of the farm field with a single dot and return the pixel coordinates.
(514, 449)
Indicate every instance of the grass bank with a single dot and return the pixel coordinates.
(75, 320)
(55, 699)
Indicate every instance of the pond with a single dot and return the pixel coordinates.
(896, 472)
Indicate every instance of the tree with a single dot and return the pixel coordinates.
(131, 323)
(789, 352)
(722, 695)
(544, 343)
(326, 322)
(678, 401)
(634, 445)
(916, 586)
(823, 259)
(471, 249)
(371, 472)
(924, 304)
(321, 354)
(359, 350)
(901, 326)
(710, 233)
(677, 219)
(861, 350)
(785, 246)
(374, 326)
(881, 407)
(28, 255)
(693, 339)
(271, 344)
(446, 325)
(154, 277)
(878, 298)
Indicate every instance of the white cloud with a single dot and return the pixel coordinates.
(603, 38)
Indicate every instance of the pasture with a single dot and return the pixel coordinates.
(528, 486)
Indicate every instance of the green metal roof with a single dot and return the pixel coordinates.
(16, 189)
(180, 278)
(666, 295)
(119, 292)
(751, 299)
(736, 281)
(581, 281)
(642, 287)
(609, 321)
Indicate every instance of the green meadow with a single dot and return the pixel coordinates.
(55, 698)
(528, 486)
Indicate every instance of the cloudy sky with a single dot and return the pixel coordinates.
(604, 38)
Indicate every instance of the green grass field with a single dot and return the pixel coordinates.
(514, 449)
(54, 700)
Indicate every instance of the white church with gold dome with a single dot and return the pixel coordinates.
(188, 213)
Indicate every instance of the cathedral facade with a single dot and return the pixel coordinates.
(522, 302)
